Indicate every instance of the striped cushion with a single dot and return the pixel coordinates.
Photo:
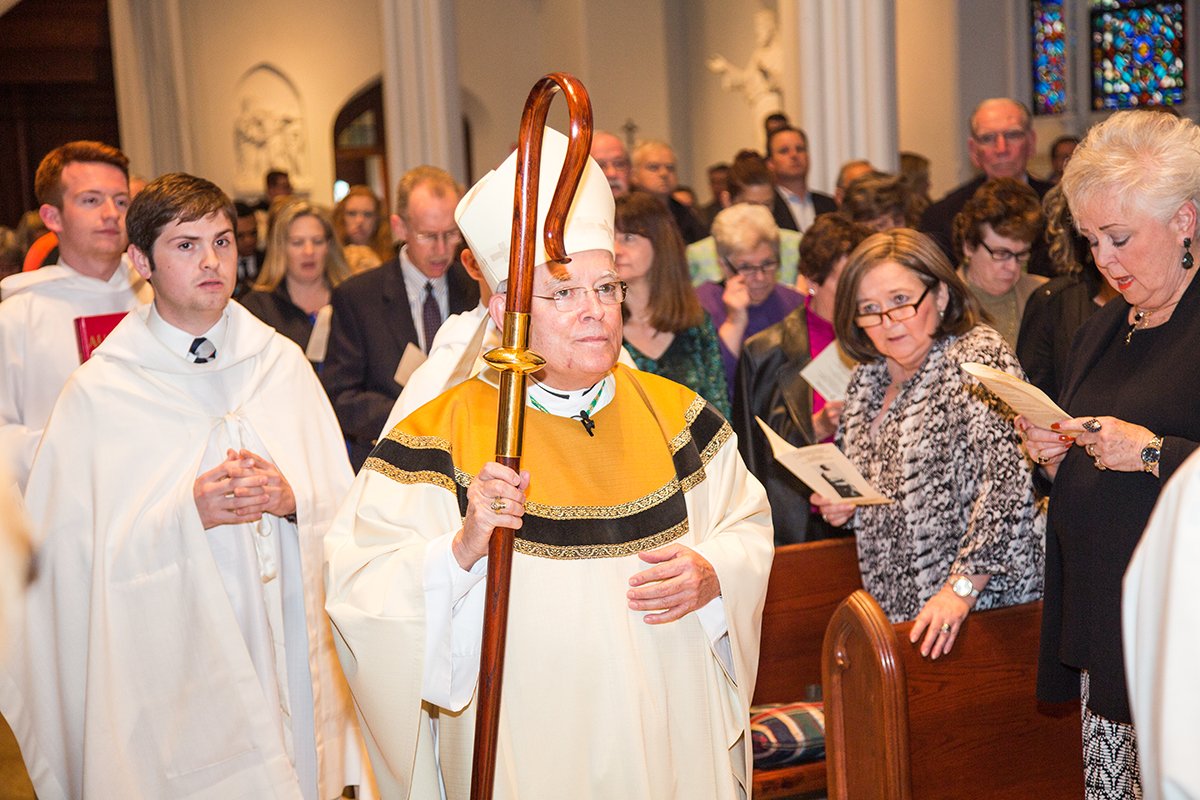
(787, 734)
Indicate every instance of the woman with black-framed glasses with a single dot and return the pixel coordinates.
(995, 235)
(962, 530)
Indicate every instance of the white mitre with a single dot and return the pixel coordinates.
(485, 214)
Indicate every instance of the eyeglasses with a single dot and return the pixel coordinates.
(990, 140)
(753, 270)
(572, 298)
(447, 238)
(1002, 254)
(896, 314)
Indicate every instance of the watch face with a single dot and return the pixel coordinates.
(1150, 454)
(963, 586)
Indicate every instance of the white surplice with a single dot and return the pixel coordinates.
(38, 348)
(1161, 639)
(159, 659)
(597, 703)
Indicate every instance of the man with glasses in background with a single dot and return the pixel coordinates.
(384, 320)
(750, 298)
(1000, 144)
(642, 549)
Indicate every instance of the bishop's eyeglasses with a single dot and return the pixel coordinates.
(572, 298)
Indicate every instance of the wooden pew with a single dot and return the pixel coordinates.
(899, 726)
(808, 582)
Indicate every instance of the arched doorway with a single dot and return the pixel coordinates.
(359, 144)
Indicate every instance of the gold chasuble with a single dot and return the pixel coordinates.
(596, 703)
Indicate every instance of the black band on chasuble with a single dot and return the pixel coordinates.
(575, 532)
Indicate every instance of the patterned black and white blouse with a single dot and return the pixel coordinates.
(947, 455)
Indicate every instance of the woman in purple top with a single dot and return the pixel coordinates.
(749, 299)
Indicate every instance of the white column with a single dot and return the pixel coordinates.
(421, 102)
(147, 49)
(845, 80)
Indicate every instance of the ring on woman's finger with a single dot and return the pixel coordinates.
(1041, 459)
(1092, 425)
(499, 504)
(945, 627)
(1100, 464)
(1091, 450)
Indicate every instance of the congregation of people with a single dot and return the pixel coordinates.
(260, 509)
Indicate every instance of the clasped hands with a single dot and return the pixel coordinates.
(679, 581)
(1112, 443)
(241, 489)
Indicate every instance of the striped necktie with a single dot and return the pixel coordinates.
(202, 350)
(431, 315)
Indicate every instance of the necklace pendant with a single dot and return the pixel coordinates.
(1129, 335)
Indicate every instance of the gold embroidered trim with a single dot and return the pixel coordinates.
(680, 440)
(693, 480)
(419, 442)
(637, 506)
(718, 441)
(585, 551)
(404, 476)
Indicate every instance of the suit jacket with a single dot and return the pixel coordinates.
(938, 222)
(371, 327)
(822, 204)
(768, 385)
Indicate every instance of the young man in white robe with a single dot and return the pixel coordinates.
(642, 554)
(174, 642)
(83, 188)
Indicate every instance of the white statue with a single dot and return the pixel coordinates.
(760, 78)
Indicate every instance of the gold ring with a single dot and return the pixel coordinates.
(945, 627)
(499, 504)
(1099, 465)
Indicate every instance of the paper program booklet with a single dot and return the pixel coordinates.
(829, 373)
(1024, 398)
(824, 469)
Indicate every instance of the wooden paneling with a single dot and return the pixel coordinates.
(56, 84)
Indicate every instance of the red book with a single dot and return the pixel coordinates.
(91, 331)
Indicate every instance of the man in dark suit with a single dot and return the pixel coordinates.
(250, 255)
(384, 319)
(654, 171)
(1001, 142)
(795, 207)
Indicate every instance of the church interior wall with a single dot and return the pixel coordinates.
(327, 51)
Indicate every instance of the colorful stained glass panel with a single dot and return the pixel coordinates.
(1049, 57)
(1138, 55)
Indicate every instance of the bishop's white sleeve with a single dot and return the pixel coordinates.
(453, 625)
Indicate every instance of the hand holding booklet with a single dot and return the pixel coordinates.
(1024, 398)
(825, 470)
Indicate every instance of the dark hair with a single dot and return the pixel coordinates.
(914, 251)
(1010, 206)
(776, 132)
(47, 183)
(830, 237)
(243, 209)
(873, 195)
(673, 303)
(749, 169)
(274, 176)
(174, 197)
(1068, 138)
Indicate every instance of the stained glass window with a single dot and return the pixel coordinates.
(1049, 57)
(1137, 54)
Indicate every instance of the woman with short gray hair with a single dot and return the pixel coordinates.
(750, 298)
(1132, 186)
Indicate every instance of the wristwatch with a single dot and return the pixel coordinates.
(1151, 453)
(963, 587)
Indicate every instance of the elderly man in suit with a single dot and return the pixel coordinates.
(384, 320)
(1000, 144)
